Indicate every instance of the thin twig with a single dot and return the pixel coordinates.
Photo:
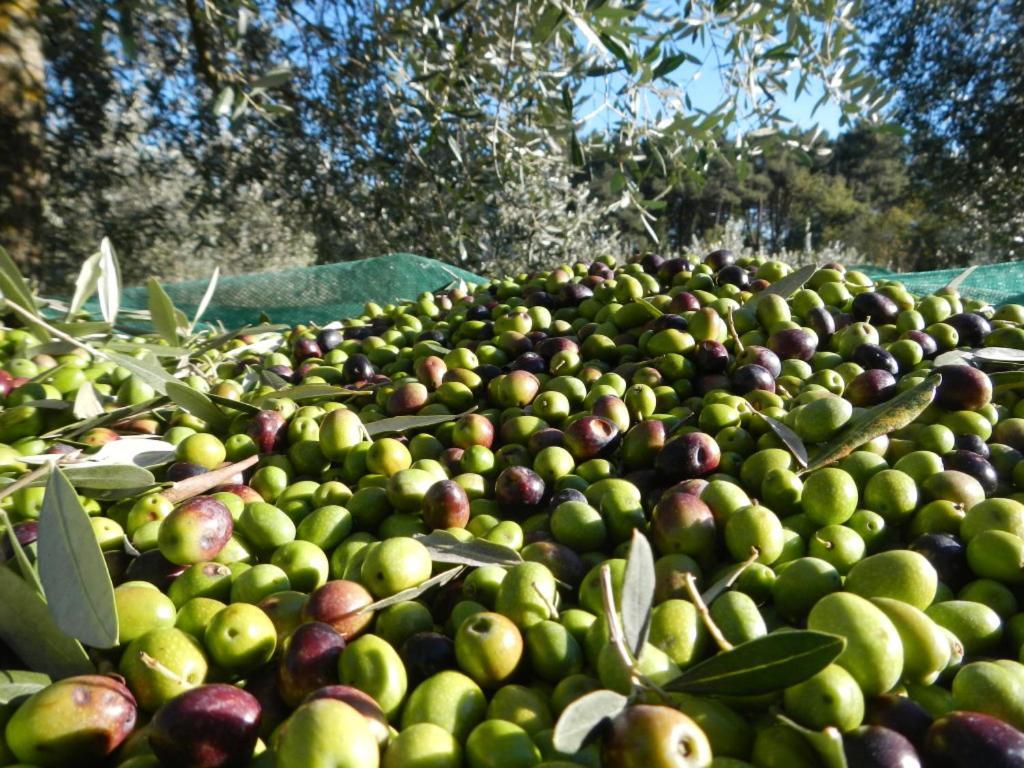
(705, 614)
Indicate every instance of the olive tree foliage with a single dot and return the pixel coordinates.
(268, 131)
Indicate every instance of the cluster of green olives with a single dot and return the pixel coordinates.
(286, 616)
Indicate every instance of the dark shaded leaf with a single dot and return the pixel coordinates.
(828, 743)
(28, 628)
(725, 582)
(652, 310)
(403, 423)
(15, 683)
(789, 438)
(785, 287)
(235, 405)
(197, 403)
(161, 312)
(274, 380)
(110, 417)
(880, 420)
(445, 548)
(313, 391)
(581, 719)
(413, 592)
(763, 665)
(637, 592)
(79, 593)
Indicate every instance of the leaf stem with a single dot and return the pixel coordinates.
(162, 670)
(705, 614)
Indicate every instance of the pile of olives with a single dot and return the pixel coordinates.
(280, 618)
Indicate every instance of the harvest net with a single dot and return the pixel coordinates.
(330, 292)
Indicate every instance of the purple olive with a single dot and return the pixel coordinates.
(519, 490)
(974, 465)
(876, 306)
(683, 524)
(154, 568)
(872, 357)
(756, 355)
(572, 294)
(555, 344)
(948, 556)
(973, 443)
(963, 388)
(212, 726)
(268, 429)
(670, 320)
(565, 564)
(872, 746)
(792, 343)
(693, 454)
(733, 274)
(719, 259)
(303, 349)
(591, 437)
(445, 505)
(927, 343)
(684, 302)
(286, 372)
(357, 368)
(870, 388)
(971, 328)
(750, 377)
(973, 740)
(711, 357)
(425, 654)
(821, 321)
(309, 661)
(901, 714)
(183, 470)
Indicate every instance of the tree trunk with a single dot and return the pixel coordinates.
(22, 109)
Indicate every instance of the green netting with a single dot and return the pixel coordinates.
(309, 294)
(994, 283)
(334, 291)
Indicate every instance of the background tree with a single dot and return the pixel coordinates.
(958, 69)
(331, 129)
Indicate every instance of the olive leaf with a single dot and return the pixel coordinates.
(784, 287)
(652, 310)
(403, 423)
(197, 403)
(959, 279)
(727, 580)
(118, 414)
(1006, 381)
(15, 290)
(235, 405)
(580, 720)
(879, 420)
(15, 683)
(789, 438)
(146, 369)
(109, 282)
(275, 380)
(999, 355)
(204, 302)
(157, 350)
(79, 593)
(310, 391)
(446, 548)
(27, 627)
(108, 477)
(85, 284)
(87, 404)
(413, 592)
(828, 744)
(762, 665)
(954, 357)
(161, 312)
(638, 585)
